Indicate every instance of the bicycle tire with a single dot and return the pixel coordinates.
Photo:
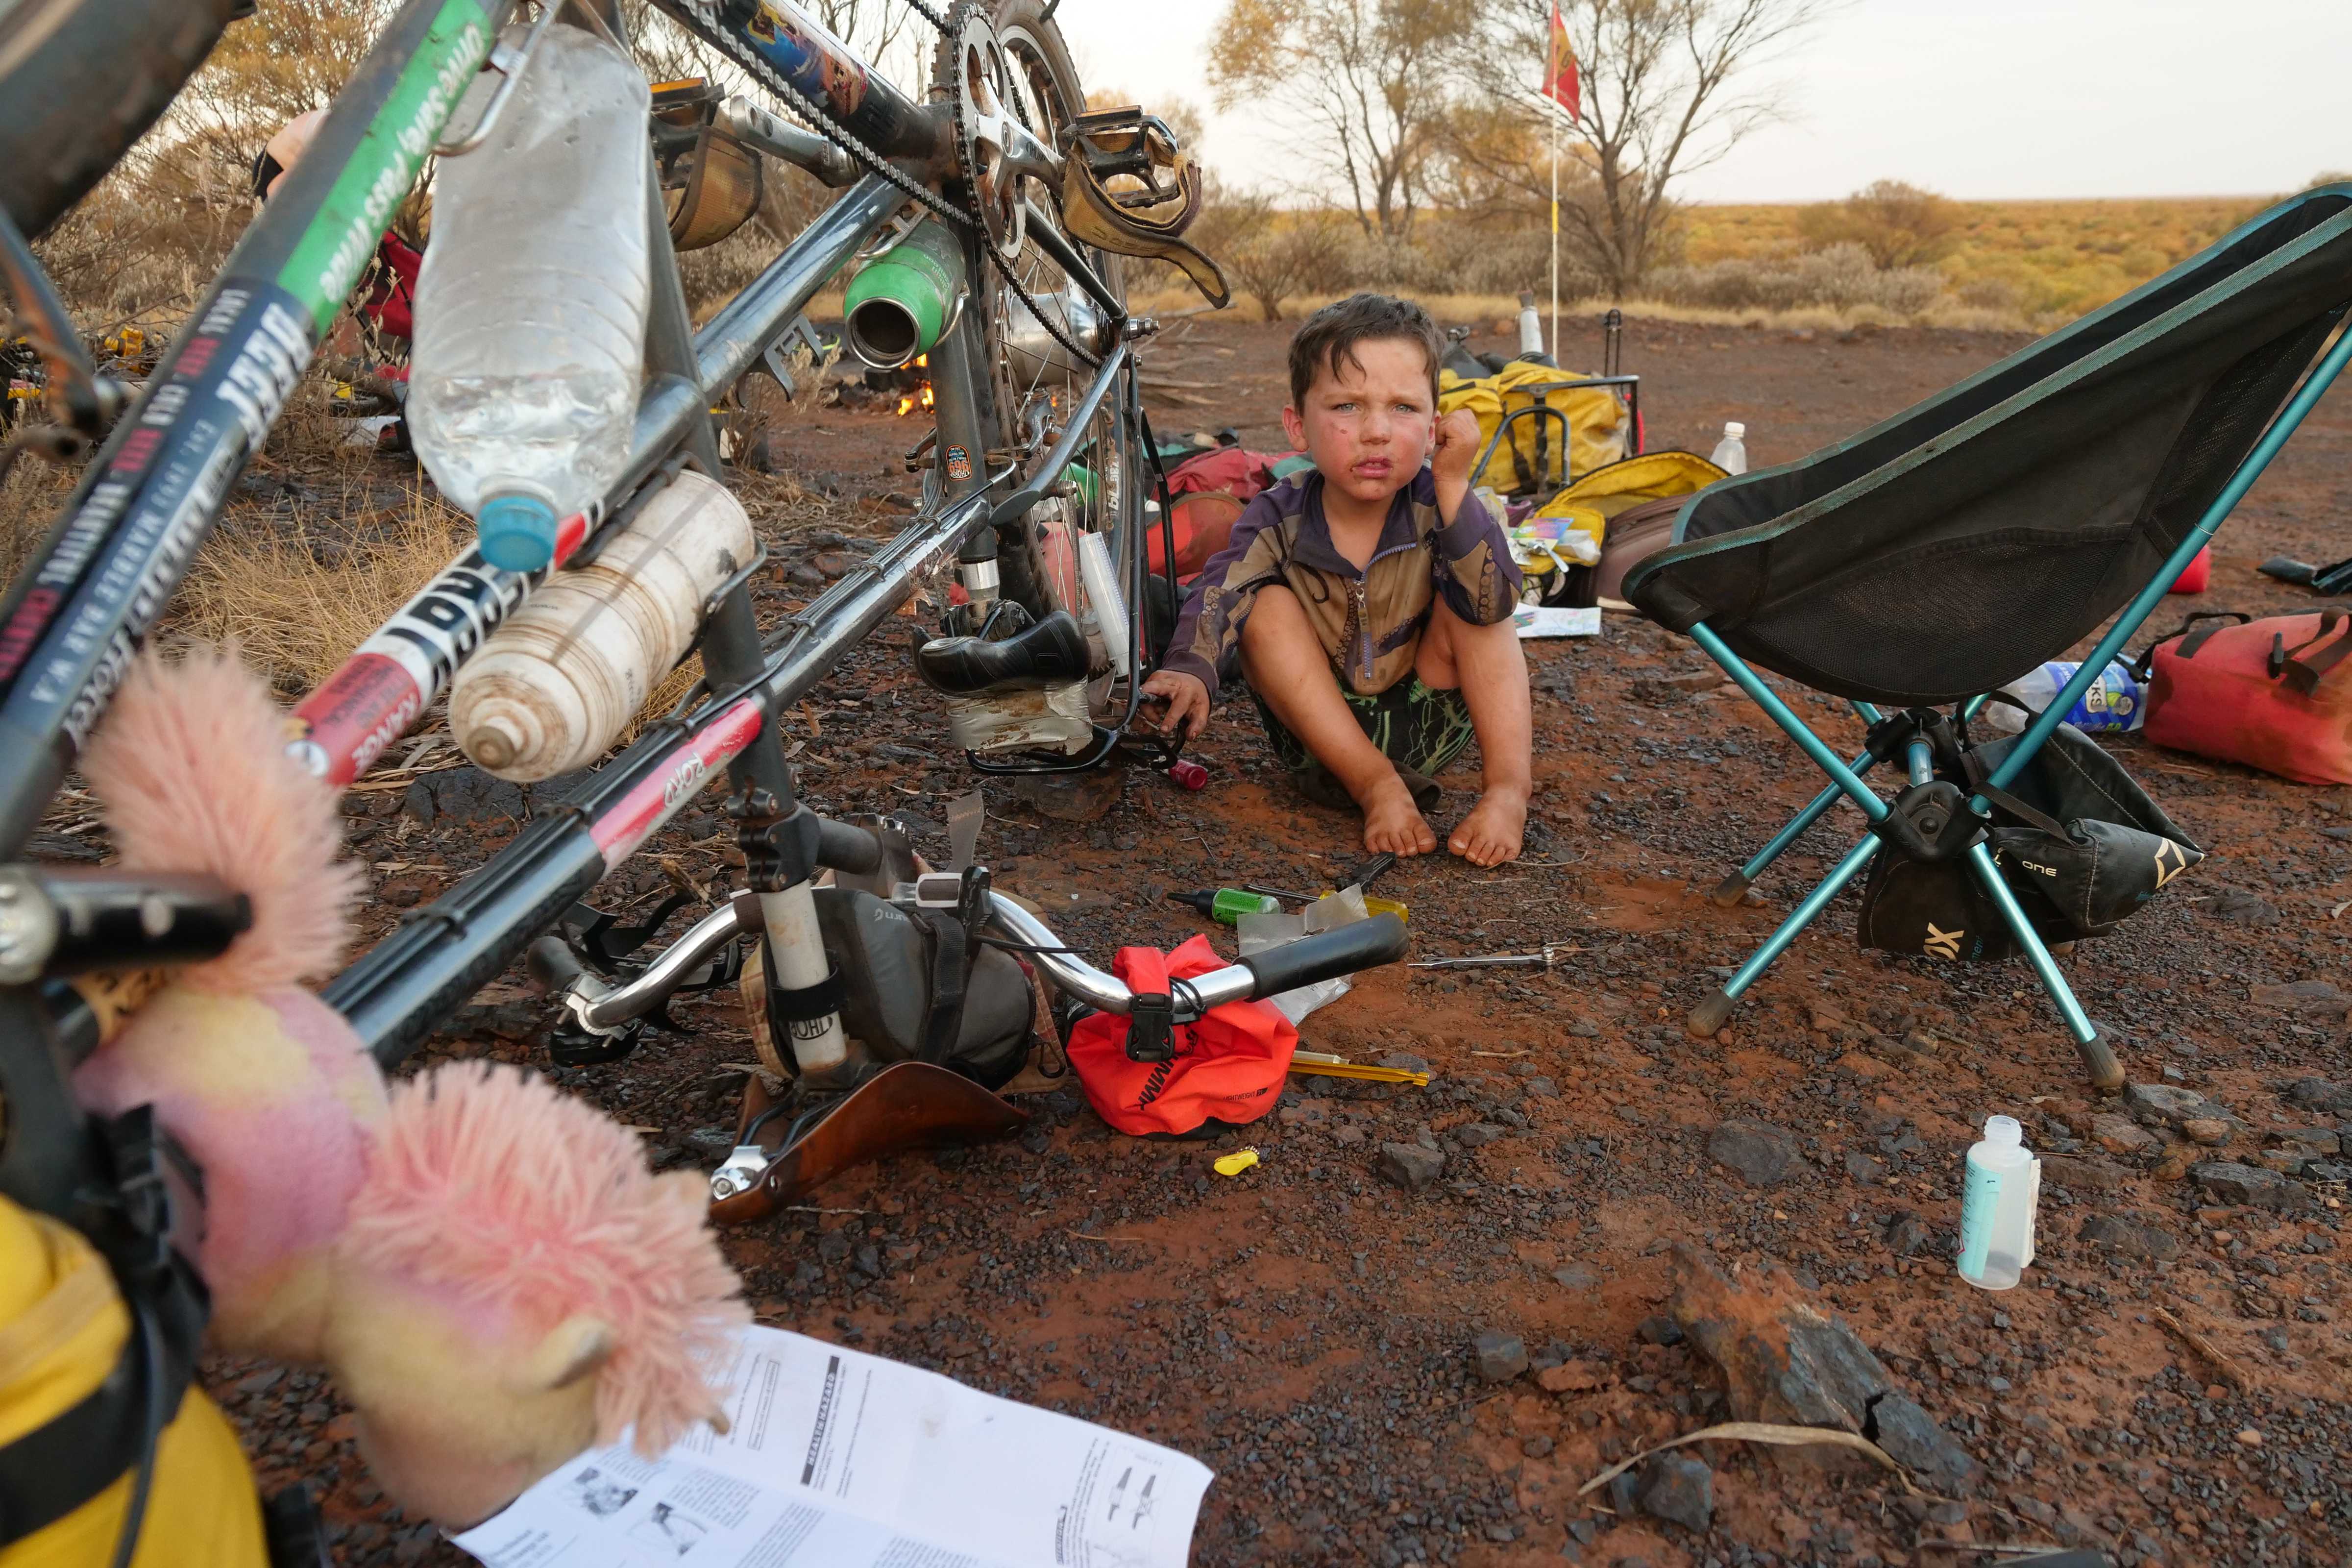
(1035, 45)
(81, 80)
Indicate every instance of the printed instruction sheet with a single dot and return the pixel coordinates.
(1556, 621)
(839, 1459)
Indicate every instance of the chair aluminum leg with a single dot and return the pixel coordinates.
(2090, 1040)
(1732, 888)
(1716, 1011)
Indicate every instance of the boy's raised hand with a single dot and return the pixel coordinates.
(1456, 447)
(1186, 697)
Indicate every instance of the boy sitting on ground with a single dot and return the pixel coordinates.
(1371, 599)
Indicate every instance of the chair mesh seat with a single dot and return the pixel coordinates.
(1950, 549)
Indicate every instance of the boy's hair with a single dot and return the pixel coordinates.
(1330, 336)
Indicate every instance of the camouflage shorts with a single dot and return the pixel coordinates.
(1419, 728)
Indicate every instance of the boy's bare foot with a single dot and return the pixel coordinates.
(1392, 824)
(1492, 833)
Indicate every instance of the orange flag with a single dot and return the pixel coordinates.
(1561, 83)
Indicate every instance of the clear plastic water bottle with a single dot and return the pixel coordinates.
(531, 306)
(1996, 1206)
(1731, 452)
(2115, 700)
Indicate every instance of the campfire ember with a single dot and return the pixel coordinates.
(920, 395)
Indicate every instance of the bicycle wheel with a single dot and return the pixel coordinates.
(1035, 382)
(81, 80)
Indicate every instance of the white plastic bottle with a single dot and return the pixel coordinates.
(1731, 452)
(1996, 1206)
(531, 306)
(554, 686)
(2115, 700)
(1530, 325)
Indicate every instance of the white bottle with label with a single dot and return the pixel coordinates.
(1997, 1203)
(531, 306)
(1731, 452)
(2115, 700)
(554, 687)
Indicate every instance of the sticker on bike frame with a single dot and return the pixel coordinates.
(808, 57)
(128, 543)
(638, 815)
(327, 260)
(370, 702)
(959, 463)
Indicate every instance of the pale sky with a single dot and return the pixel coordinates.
(1977, 99)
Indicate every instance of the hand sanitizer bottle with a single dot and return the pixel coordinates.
(1997, 1207)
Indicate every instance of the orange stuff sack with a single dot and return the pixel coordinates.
(2274, 694)
(1227, 1071)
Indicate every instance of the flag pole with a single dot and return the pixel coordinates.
(1555, 235)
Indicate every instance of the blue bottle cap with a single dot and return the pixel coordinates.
(517, 533)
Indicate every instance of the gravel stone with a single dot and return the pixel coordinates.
(2231, 1182)
(1760, 1153)
(1409, 1165)
(1911, 1436)
(2129, 1235)
(1500, 1356)
(1680, 1490)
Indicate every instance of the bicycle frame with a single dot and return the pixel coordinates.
(157, 488)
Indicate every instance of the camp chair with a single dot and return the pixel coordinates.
(1945, 553)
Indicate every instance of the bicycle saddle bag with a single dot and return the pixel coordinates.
(901, 970)
(1128, 188)
(711, 182)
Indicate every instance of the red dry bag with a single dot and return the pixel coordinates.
(2276, 694)
(1226, 1069)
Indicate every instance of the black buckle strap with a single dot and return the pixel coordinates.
(2308, 663)
(59, 1467)
(810, 1002)
(1151, 1028)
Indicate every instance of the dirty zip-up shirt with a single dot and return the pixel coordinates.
(1370, 621)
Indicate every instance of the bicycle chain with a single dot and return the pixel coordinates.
(692, 16)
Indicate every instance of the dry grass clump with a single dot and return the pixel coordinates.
(301, 590)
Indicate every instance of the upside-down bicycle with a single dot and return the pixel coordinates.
(909, 992)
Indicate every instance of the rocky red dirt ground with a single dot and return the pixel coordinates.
(1612, 1234)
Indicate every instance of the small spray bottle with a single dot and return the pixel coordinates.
(1996, 1206)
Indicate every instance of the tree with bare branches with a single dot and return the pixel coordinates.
(1665, 94)
(1366, 84)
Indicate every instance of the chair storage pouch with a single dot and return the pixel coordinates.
(2076, 841)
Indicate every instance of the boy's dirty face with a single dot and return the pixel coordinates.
(1368, 419)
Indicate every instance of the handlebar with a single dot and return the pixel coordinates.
(603, 1008)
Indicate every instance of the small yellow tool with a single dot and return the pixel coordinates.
(1234, 1163)
(1324, 1065)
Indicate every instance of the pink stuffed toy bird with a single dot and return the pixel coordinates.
(489, 1270)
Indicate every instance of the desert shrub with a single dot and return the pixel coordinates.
(1840, 276)
(1900, 226)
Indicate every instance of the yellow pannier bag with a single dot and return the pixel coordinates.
(63, 1327)
(1597, 424)
(1593, 499)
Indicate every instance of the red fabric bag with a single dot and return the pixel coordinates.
(1227, 1069)
(1206, 495)
(2197, 576)
(2276, 694)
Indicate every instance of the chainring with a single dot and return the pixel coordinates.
(971, 71)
